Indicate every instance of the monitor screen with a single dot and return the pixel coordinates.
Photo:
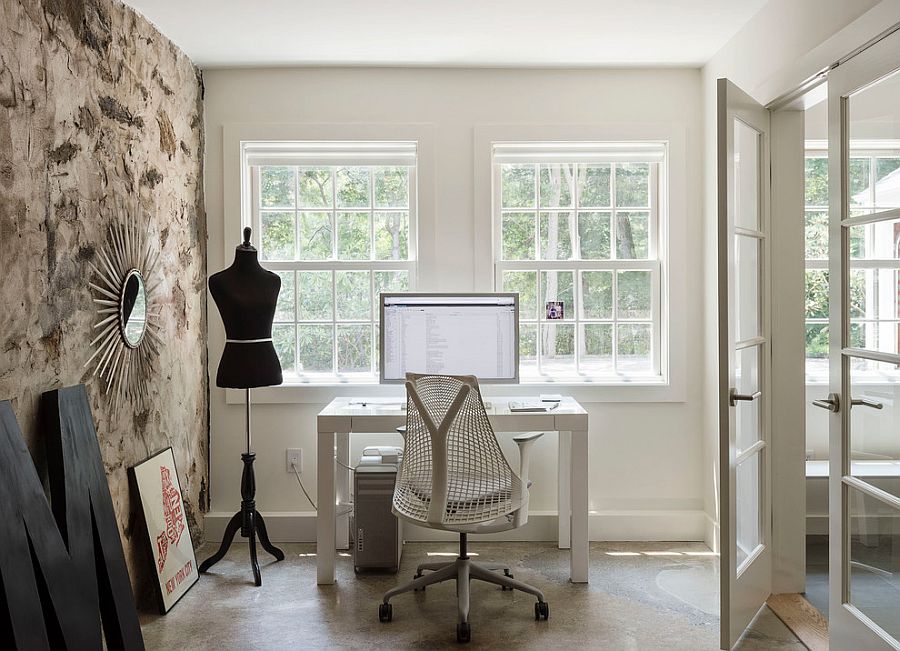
(450, 334)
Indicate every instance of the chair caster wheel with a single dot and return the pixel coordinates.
(385, 612)
(418, 575)
(541, 610)
(463, 632)
(508, 575)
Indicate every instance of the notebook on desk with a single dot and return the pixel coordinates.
(531, 406)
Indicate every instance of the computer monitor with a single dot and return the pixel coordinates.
(450, 334)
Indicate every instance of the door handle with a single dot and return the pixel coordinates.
(832, 403)
(734, 397)
(865, 402)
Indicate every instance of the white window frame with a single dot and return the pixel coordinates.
(334, 265)
(237, 208)
(578, 266)
(670, 385)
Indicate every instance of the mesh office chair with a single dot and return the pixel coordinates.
(454, 477)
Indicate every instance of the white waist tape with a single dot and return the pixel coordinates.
(247, 341)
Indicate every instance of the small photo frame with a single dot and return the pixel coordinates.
(174, 563)
(555, 310)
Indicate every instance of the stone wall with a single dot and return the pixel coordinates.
(97, 108)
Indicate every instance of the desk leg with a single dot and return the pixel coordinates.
(579, 496)
(325, 520)
(564, 495)
(342, 490)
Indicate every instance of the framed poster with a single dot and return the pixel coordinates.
(170, 538)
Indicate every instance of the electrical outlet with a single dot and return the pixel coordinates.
(295, 459)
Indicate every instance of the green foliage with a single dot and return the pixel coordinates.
(632, 235)
(283, 340)
(525, 283)
(594, 186)
(816, 181)
(352, 289)
(598, 339)
(594, 235)
(634, 291)
(284, 310)
(556, 185)
(352, 187)
(633, 185)
(391, 187)
(316, 187)
(558, 286)
(556, 235)
(315, 302)
(558, 340)
(276, 187)
(633, 340)
(353, 236)
(315, 235)
(527, 341)
(517, 186)
(597, 294)
(391, 235)
(354, 348)
(518, 236)
(314, 348)
(277, 235)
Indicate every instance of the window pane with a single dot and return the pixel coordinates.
(557, 185)
(518, 236)
(817, 341)
(873, 425)
(747, 514)
(634, 292)
(284, 309)
(633, 348)
(517, 186)
(816, 235)
(816, 294)
(527, 348)
(354, 348)
(874, 560)
(353, 289)
(388, 281)
(593, 186)
(816, 181)
(557, 348)
(748, 412)
(315, 296)
(633, 185)
(593, 235)
(746, 175)
(858, 245)
(352, 187)
(277, 235)
(315, 348)
(862, 285)
(558, 286)
(315, 235)
(860, 192)
(525, 283)
(276, 187)
(596, 348)
(316, 187)
(391, 236)
(556, 235)
(878, 241)
(597, 295)
(887, 182)
(353, 236)
(632, 235)
(747, 286)
(283, 340)
(391, 187)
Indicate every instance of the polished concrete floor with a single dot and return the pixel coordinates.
(641, 596)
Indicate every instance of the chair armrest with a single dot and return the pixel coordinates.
(525, 441)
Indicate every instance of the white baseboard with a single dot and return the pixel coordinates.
(674, 526)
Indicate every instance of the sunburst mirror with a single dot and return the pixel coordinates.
(127, 329)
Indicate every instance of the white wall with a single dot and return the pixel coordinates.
(779, 48)
(647, 475)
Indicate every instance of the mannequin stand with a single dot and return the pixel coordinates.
(248, 519)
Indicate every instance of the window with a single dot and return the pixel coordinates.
(576, 234)
(337, 222)
(874, 252)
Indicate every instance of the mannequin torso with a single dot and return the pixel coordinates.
(246, 296)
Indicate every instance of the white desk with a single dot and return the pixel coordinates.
(340, 418)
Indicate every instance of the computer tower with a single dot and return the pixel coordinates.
(377, 532)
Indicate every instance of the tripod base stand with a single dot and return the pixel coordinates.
(248, 520)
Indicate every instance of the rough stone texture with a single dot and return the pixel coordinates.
(97, 107)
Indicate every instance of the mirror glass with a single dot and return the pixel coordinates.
(133, 308)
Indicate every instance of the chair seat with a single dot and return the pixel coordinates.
(473, 497)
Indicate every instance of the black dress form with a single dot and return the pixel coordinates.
(246, 295)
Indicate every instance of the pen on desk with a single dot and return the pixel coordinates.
(553, 406)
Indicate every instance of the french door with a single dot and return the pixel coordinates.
(744, 350)
(864, 322)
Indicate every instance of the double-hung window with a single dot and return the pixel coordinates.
(337, 222)
(874, 179)
(577, 234)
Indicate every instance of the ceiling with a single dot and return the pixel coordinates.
(523, 33)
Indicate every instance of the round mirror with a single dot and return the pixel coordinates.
(133, 308)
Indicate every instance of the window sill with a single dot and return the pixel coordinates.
(642, 390)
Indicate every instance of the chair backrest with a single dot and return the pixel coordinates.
(453, 470)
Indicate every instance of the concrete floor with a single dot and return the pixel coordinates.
(641, 596)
